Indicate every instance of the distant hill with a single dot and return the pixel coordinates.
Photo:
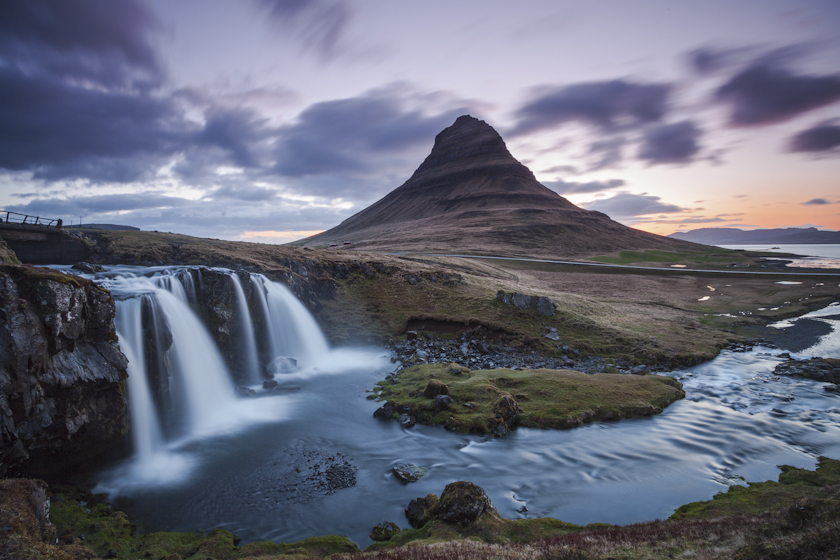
(734, 236)
(471, 196)
(113, 227)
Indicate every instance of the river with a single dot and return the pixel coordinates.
(314, 461)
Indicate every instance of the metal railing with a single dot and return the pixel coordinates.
(16, 218)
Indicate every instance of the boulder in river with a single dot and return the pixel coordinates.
(421, 511)
(461, 503)
(409, 472)
(384, 531)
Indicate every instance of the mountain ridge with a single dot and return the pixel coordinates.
(471, 195)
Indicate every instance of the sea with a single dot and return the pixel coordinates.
(818, 255)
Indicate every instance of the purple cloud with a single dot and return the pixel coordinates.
(821, 138)
(670, 143)
(606, 105)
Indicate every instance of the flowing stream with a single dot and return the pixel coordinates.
(311, 460)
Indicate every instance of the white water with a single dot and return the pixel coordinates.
(293, 332)
(246, 332)
(205, 404)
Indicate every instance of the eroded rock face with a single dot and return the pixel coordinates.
(61, 373)
(543, 305)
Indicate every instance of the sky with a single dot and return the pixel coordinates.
(271, 120)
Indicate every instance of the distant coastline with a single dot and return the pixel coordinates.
(734, 236)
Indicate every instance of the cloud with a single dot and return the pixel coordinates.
(816, 202)
(353, 135)
(249, 193)
(320, 24)
(821, 138)
(606, 105)
(99, 204)
(235, 131)
(59, 130)
(570, 187)
(670, 143)
(92, 41)
(767, 92)
(627, 205)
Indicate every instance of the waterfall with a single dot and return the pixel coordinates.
(246, 332)
(146, 431)
(292, 331)
(179, 386)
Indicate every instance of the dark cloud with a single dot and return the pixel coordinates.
(670, 143)
(821, 138)
(607, 152)
(627, 205)
(767, 92)
(58, 130)
(816, 202)
(237, 131)
(99, 204)
(248, 193)
(606, 105)
(320, 24)
(349, 135)
(707, 60)
(101, 41)
(570, 187)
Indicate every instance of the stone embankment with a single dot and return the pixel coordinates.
(61, 373)
(826, 370)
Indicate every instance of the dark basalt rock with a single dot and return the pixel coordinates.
(384, 531)
(461, 503)
(506, 411)
(434, 388)
(421, 511)
(818, 369)
(409, 472)
(386, 411)
(61, 370)
(543, 305)
(88, 268)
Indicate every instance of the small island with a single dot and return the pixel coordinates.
(496, 401)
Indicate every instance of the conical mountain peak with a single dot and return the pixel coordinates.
(469, 142)
(470, 195)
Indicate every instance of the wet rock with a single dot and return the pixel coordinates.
(434, 388)
(409, 472)
(284, 365)
(407, 421)
(88, 268)
(384, 531)
(819, 369)
(242, 391)
(386, 411)
(441, 402)
(411, 335)
(269, 384)
(462, 503)
(639, 370)
(421, 511)
(506, 412)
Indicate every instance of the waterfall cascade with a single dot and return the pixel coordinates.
(177, 326)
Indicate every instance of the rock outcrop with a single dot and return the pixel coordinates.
(543, 305)
(461, 503)
(61, 373)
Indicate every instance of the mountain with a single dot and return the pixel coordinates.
(472, 196)
(734, 236)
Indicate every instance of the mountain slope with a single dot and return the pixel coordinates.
(472, 196)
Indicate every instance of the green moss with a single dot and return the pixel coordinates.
(548, 398)
(761, 497)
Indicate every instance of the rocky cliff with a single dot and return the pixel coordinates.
(61, 373)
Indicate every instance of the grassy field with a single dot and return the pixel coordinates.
(645, 316)
(546, 398)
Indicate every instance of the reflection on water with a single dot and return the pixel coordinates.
(737, 420)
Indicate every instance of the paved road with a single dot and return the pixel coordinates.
(631, 268)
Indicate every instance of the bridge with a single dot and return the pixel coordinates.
(37, 240)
